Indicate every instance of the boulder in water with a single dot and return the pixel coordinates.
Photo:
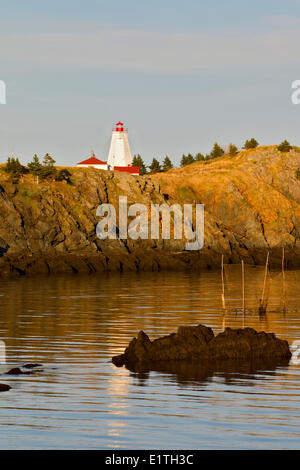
(193, 343)
(31, 366)
(28, 370)
(4, 388)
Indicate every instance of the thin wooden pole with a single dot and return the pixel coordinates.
(283, 282)
(265, 278)
(223, 285)
(262, 300)
(223, 293)
(243, 291)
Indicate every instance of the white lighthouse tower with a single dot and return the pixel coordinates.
(119, 153)
(119, 156)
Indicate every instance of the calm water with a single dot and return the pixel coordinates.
(74, 325)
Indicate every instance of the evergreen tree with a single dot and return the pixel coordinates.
(14, 168)
(155, 166)
(285, 146)
(8, 166)
(35, 166)
(135, 160)
(199, 157)
(48, 160)
(48, 170)
(217, 151)
(167, 164)
(190, 159)
(233, 150)
(138, 161)
(187, 160)
(183, 160)
(251, 144)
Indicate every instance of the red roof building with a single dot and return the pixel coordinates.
(93, 162)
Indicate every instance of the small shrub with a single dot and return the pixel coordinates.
(167, 164)
(233, 150)
(216, 152)
(284, 146)
(138, 161)
(155, 166)
(14, 169)
(251, 144)
(186, 160)
(63, 175)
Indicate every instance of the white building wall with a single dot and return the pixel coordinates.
(99, 167)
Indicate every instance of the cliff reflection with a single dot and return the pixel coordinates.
(112, 308)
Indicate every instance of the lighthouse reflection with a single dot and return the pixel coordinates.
(118, 389)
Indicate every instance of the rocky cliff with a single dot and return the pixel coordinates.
(252, 204)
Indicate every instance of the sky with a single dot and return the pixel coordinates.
(180, 75)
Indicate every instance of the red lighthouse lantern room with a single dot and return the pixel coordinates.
(119, 127)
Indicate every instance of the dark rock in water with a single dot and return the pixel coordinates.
(247, 343)
(194, 343)
(19, 371)
(14, 371)
(31, 366)
(119, 361)
(4, 388)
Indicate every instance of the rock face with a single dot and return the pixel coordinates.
(197, 343)
(252, 205)
(247, 343)
(50, 227)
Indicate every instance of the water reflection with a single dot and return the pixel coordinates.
(190, 373)
(73, 326)
(2, 352)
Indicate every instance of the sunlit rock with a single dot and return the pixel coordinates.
(195, 343)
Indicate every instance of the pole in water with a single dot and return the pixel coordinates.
(243, 291)
(283, 282)
(262, 307)
(223, 293)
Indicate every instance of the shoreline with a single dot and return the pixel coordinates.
(14, 267)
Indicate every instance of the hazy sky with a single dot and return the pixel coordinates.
(180, 75)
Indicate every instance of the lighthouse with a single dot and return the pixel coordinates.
(119, 154)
